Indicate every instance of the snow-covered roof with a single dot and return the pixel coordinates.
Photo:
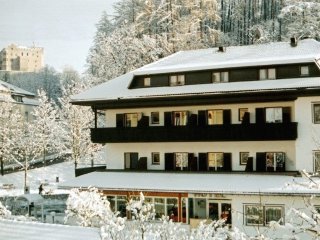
(15, 89)
(238, 56)
(117, 88)
(192, 183)
(17, 230)
(254, 55)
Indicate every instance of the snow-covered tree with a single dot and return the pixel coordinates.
(4, 212)
(301, 18)
(76, 122)
(10, 130)
(48, 129)
(88, 207)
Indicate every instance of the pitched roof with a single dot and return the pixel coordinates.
(307, 50)
(15, 89)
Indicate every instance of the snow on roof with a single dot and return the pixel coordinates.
(237, 56)
(15, 230)
(254, 55)
(116, 88)
(191, 183)
(15, 89)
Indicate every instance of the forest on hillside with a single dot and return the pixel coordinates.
(143, 31)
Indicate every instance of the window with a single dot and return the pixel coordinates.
(180, 118)
(253, 215)
(304, 70)
(215, 160)
(215, 117)
(316, 113)
(273, 213)
(263, 215)
(267, 73)
(274, 115)
(316, 161)
(130, 160)
(218, 77)
(242, 111)
(154, 117)
(131, 119)
(181, 160)
(147, 82)
(177, 80)
(155, 158)
(275, 160)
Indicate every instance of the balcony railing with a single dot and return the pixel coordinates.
(232, 132)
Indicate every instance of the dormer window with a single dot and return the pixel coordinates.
(218, 77)
(177, 80)
(304, 70)
(147, 82)
(267, 74)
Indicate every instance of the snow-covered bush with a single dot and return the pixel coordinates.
(4, 212)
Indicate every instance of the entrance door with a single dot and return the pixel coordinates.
(219, 210)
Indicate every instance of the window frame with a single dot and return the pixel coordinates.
(241, 113)
(126, 119)
(302, 68)
(268, 72)
(275, 116)
(214, 117)
(273, 163)
(182, 120)
(316, 113)
(243, 158)
(146, 81)
(155, 156)
(262, 220)
(220, 77)
(315, 152)
(218, 158)
(184, 160)
(155, 119)
(177, 80)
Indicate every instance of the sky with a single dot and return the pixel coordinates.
(65, 28)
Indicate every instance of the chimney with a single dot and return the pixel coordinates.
(293, 42)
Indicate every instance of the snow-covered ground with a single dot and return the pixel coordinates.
(47, 175)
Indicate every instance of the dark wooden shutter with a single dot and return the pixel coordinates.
(120, 120)
(169, 161)
(249, 165)
(286, 114)
(227, 162)
(190, 160)
(261, 161)
(202, 120)
(167, 119)
(260, 115)
(227, 116)
(193, 163)
(143, 122)
(142, 164)
(134, 160)
(203, 162)
(192, 121)
(246, 118)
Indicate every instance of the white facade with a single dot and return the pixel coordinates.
(288, 100)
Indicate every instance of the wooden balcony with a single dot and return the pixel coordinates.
(228, 132)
